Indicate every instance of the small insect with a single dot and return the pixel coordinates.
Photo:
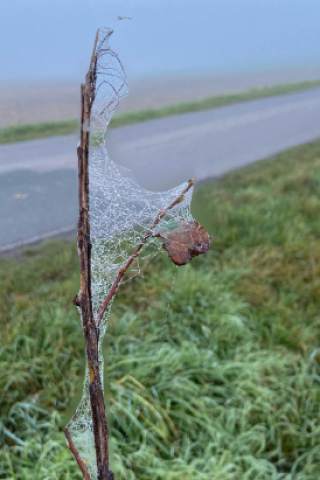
(123, 18)
(20, 196)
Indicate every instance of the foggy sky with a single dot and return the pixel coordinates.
(52, 39)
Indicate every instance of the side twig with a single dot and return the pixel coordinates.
(73, 449)
(162, 212)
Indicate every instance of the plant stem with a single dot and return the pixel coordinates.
(90, 330)
(73, 449)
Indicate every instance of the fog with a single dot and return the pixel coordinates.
(52, 39)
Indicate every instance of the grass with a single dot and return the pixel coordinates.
(18, 133)
(226, 379)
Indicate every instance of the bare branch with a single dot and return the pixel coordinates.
(73, 449)
(91, 333)
(162, 212)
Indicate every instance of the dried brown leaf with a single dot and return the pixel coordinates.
(185, 242)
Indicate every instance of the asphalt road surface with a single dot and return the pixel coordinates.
(38, 179)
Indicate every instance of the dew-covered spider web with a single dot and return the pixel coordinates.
(120, 212)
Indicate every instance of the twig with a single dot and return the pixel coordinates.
(90, 331)
(162, 212)
(73, 449)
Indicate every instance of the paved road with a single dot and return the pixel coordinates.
(38, 184)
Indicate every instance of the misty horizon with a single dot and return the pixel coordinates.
(54, 40)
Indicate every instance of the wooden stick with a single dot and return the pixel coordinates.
(162, 212)
(90, 330)
(73, 449)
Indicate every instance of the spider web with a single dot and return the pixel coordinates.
(121, 213)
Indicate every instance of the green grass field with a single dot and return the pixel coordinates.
(227, 378)
(18, 133)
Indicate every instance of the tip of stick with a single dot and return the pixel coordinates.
(109, 31)
(191, 182)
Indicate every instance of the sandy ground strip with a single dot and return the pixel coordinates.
(30, 103)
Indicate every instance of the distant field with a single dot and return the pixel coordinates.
(17, 133)
(213, 376)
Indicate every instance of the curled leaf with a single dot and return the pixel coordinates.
(185, 242)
